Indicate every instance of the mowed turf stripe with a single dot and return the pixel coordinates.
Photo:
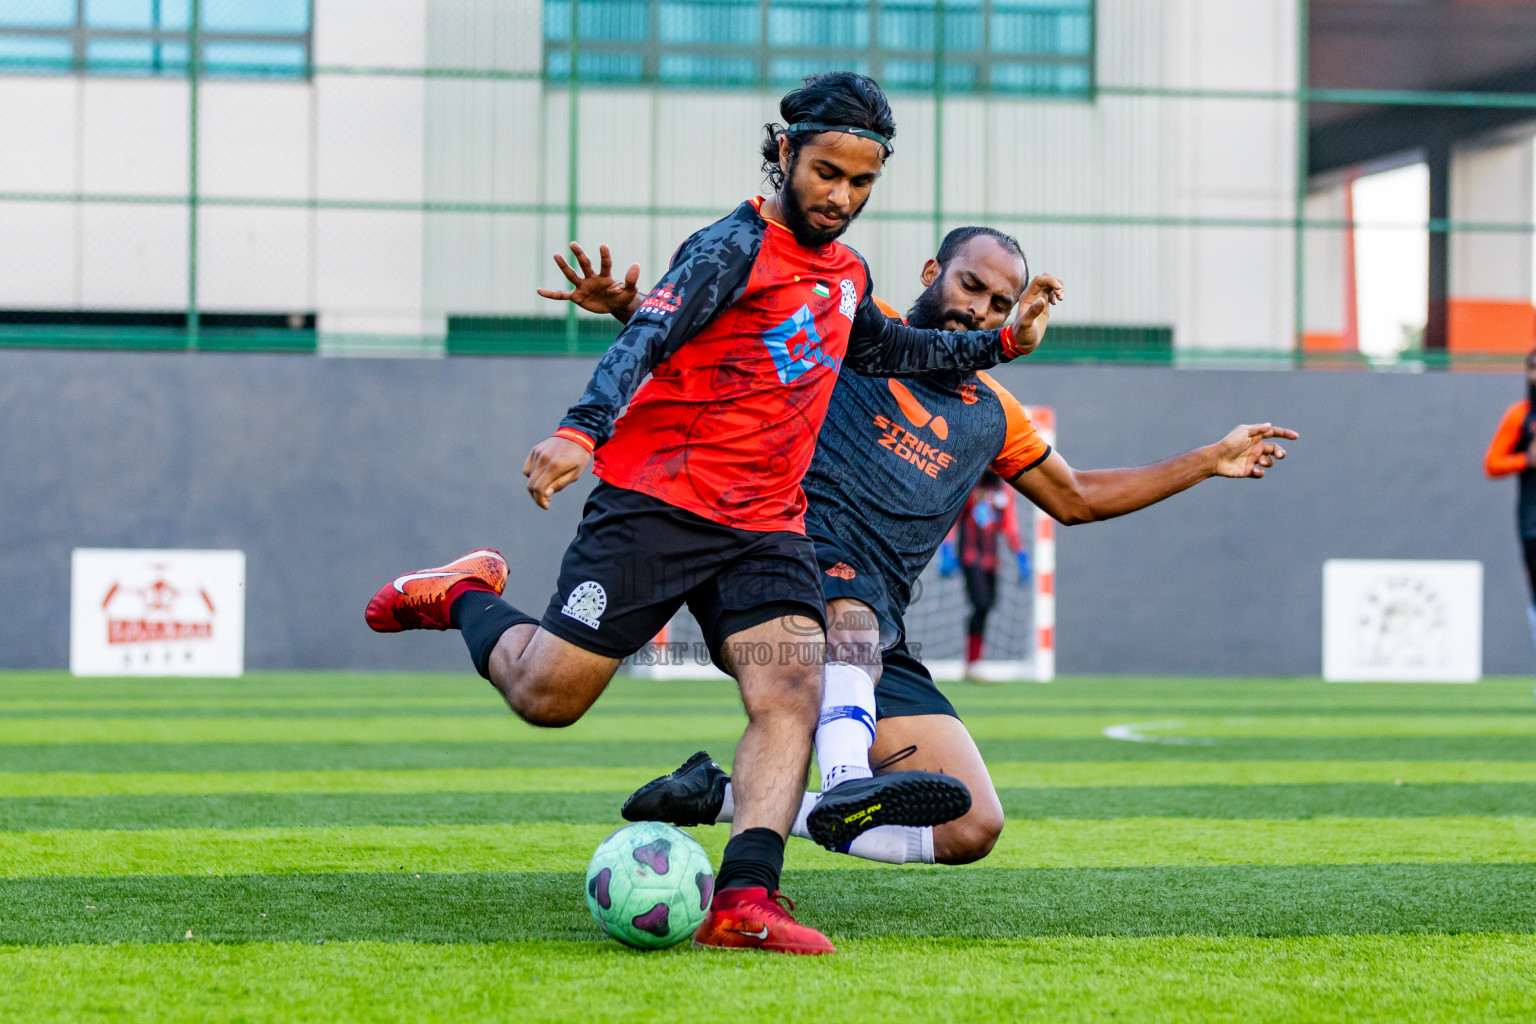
(550, 846)
(485, 707)
(642, 750)
(307, 810)
(619, 727)
(1005, 775)
(363, 729)
(983, 903)
(263, 757)
(1261, 748)
(1398, 978)
(291, 810)
(1509, 723)
(574, 779)
(1085, 693)
(1347, 800)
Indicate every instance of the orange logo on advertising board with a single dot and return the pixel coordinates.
(157, 620)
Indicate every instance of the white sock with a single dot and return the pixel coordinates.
(847, 726)
(894, 844)
(1530, 612)
(806, 803)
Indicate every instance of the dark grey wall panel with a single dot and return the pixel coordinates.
(334, 474)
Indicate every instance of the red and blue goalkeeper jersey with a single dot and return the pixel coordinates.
(744, 338)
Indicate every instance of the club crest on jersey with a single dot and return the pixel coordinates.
(850, 303)
(587, 603)
(795, 346)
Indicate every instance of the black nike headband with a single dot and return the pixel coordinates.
(809, 127)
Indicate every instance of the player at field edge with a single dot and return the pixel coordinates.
(699, 497)
(878, 512)
(1513, 450)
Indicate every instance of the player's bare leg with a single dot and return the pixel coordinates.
(852, 801)
(546, 680)
(943, 744)
(782, 702)
(782, 699)
(885, 818)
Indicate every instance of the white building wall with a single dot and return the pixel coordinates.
(1049, 171)
(1325, 267)
(490, 159)
(1491, 183)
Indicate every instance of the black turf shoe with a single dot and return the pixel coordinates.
(896, 798)
(692, 795)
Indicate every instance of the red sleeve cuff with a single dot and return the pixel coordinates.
(1010, 349)
(572, 434)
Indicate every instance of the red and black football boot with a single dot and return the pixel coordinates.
(749, 918)
(421, 599)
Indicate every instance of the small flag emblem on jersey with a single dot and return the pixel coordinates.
(821, 290)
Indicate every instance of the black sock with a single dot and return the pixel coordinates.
(754, 857)
(482, 617)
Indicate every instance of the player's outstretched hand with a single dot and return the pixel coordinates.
(1035, 311)
(1248, 450)
(595, 292)
(554, 464)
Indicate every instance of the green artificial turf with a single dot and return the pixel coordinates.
(358, 847)
(1388, 978)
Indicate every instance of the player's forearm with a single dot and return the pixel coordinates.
(890, 349)
(1107, 493)
(626, 363)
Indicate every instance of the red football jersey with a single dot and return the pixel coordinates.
(744, 338)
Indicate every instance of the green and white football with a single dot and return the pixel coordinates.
(649, 885)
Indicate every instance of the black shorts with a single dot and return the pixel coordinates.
(846, 575)
(906, 688)
(636, 560)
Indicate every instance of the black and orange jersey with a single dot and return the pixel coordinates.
(744, 339)
(1507, 454)
(898, 459)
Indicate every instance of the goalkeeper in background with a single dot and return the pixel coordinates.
(971, 547)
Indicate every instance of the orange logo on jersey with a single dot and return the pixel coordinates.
(914, 411)
(912, 448)
(908, 445)
(842, 570)
(968, 394)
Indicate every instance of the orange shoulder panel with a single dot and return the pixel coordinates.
(888, 309)
(1023, 447)
(1504, 456)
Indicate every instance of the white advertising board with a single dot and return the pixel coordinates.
(156, 613)
(1402, 621)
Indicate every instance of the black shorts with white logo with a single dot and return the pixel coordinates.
(636, 560)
